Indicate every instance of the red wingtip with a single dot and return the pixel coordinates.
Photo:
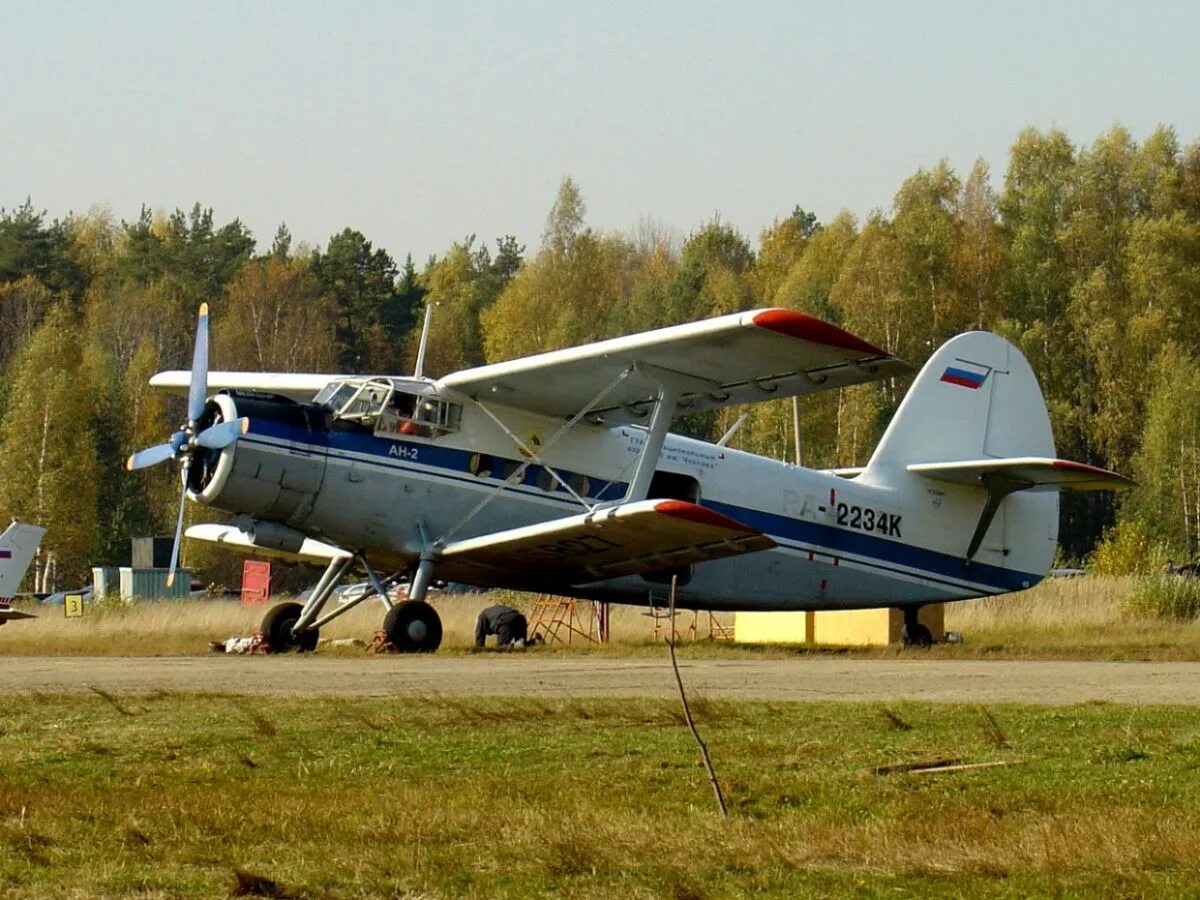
(681, 509)
(817, 331)
(1071, 466)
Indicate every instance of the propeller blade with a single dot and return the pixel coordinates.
(151, 456)
(198, 389)
(187, 464)
(217, 437)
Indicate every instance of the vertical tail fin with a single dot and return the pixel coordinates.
(18, 544)
(976, 404)
(976, 398)
(971, 447)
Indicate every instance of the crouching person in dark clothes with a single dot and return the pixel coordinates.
(506, 623)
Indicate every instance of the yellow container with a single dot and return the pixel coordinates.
(834, 628)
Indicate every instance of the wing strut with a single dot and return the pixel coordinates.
(531, 456)
(997, 490)
(656, 435)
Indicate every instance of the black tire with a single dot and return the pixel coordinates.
(916, 635)
(413, 627)
(277, 627)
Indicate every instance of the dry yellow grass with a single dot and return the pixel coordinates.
(1069, 617)
(175, 627)
(1055, 603)
(1062, 618)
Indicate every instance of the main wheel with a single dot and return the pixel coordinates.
(277, 627)
(915, 635)
(413, 627)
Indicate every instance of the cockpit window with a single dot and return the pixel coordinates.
(359, 400)
(390, 407)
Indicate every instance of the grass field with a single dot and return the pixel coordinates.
(174, 795)
(1066, 619)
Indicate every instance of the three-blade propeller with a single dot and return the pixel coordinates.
(183, 443)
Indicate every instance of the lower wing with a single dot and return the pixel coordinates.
(631, 539)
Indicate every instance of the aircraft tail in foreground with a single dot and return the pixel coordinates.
(971, 443)
(18, 544)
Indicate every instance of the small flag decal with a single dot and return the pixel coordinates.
(5, 554)
(964, 378)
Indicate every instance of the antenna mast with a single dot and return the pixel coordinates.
(420, 368)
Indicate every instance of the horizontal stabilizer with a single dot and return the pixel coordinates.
(8, 614)
(1024, 473)
(631, 539)
(310, 551)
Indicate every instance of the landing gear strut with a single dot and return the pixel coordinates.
(411, 627)
(913, 633)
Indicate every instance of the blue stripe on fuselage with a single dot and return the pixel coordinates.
(828, 540)
(843, 542)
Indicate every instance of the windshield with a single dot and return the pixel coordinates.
(358, 400)
(392, 408)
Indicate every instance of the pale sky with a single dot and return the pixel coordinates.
(418, 124)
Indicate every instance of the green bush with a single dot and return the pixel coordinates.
(1128, 549)
(1164, 597)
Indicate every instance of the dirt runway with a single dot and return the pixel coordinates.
(531, 675)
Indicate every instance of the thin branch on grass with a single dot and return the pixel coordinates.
(113, 701)
(248, 884)
(897, 723)
(927, 764)
(687, 712)
(992, 729)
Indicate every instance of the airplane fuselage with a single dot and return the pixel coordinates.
(841, 543)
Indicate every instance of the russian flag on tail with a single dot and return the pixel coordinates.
(5, 554)
(965, 374)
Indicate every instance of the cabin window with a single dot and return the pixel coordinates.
(579, 484)
(437, 415)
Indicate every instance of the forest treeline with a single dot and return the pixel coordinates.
(1087, 257)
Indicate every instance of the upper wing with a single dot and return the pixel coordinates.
(648, 536)
(296, 385)
(1024, 473)
(741, 358)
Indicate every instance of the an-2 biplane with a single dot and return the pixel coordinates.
(557, 473)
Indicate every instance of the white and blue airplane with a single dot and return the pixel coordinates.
(557, 473)
(18, 545)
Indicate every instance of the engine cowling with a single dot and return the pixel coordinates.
(272, 472)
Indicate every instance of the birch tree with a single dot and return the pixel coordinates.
(48, 470)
